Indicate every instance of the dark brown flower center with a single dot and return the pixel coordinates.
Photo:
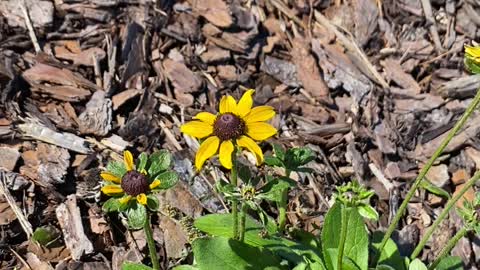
(228, 126)
(134, 183)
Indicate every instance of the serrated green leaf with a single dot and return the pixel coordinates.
(159, 162)
(356, 244)
(229, 254)
(167, 179)
(274, 189)
(279, 151)
(450, 263)
(273, 161)
(117, 168)
(142, 162)
(135, 266)
(136, 216)
(152, 202)
(417, 265)
(221, 225)
(390, 255)
(427, 185)
(296, 157)
(111, 205)
(368, 211)
(244, 173)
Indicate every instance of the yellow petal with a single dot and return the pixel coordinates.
(472, 51)
(128, 159)
(260, 114)
(225, 154)
(260, 131)
(110, 177)
(125, 199)
(112, 190)
(206, 117)
(252, 146)
(245, 103)
(155, 184)
(142, 198)
(197, 129)
(228, 105)
(207, 149)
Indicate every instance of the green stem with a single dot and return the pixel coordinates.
(151, 244)
(343, 238)
(444, 213)
(234, 182)
(282, 207)
(450, 245)
(243, 218)
(425, 169)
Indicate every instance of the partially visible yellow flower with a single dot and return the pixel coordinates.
(131, 185)
(236, 124)
(473, 52)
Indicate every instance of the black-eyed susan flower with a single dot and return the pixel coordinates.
(127, 182)
(236, 125)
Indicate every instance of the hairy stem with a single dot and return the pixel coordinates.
(243, 218)
(151, 244)
(234, 182)
(444, 213)
(448, 247)
(282, 207)
(343, 238)
(425, 169)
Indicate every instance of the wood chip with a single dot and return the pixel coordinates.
(70, 220)
(97, 117)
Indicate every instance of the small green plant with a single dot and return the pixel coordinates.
(132, 186)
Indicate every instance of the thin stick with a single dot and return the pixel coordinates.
(28, 23)
(425, 169)
(26, 226)
(427, 10)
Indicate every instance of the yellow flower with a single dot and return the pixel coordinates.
(236, 124)
(473, 53)
(132, 184)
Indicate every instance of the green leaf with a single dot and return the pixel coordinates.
(368, 211)
(390, 255)
(356, 244)
(273, 190)
(135, 266)
(331, 261)
(244, 173)
(142, 162)
(296, 157)
(427, 185)
(472, 66)
(45, 235)
(273, 161)
(222, 224)
(384, 267)
(152, 202)
(111, 205)
(229, 254)
(159, 162)
(167, 179)
(450, 263)
(185, 267)
(117, 168)
(279, 151)
(136, 216)
(417, 265)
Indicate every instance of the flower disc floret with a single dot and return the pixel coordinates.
(134, 183)
(228, 126)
